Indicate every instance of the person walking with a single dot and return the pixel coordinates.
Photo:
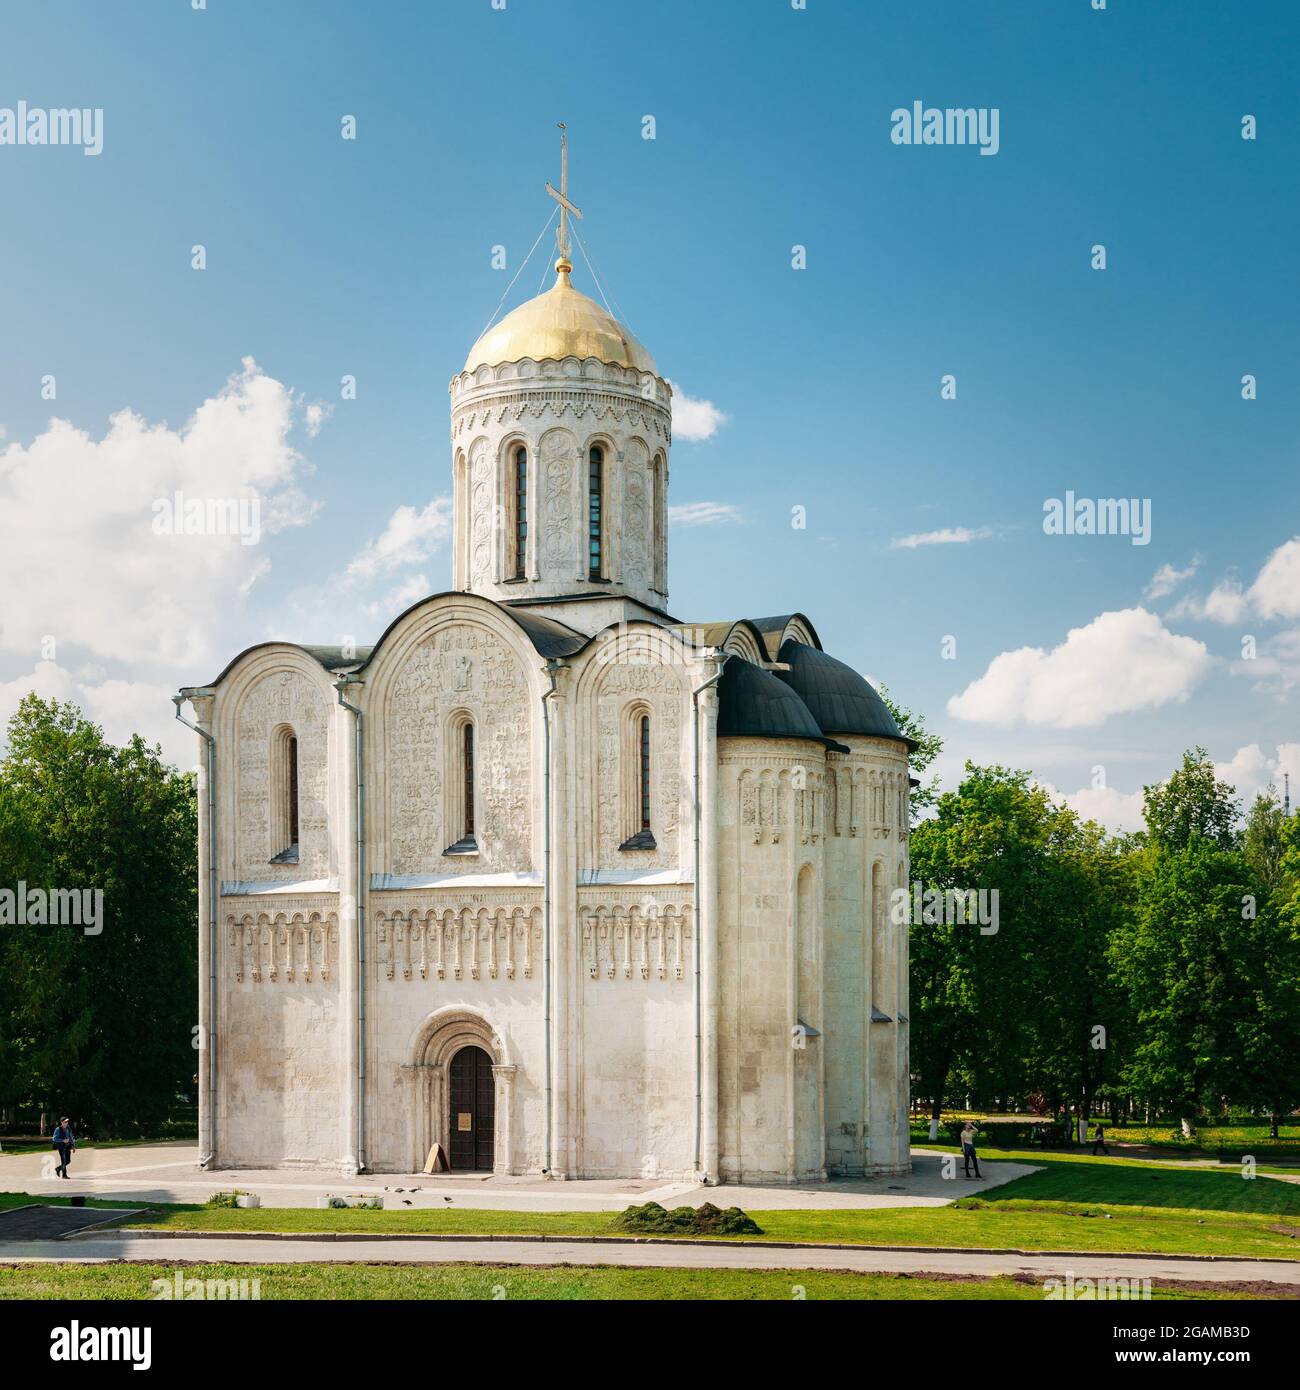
(968, 1149)
(1099, 1142)
(65, 1141)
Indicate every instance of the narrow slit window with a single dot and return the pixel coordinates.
(521, 512)
(645, 772)
(283, 766)
(293, 791)
(468, 736)
(595, 517)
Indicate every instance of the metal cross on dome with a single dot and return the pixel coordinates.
(561, 195)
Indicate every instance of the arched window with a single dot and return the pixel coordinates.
(659, 550)
(468, 743)
(595, 513)
(460, 802)
(521, 512)
(637, 830)
(645, 771)
(284, 796)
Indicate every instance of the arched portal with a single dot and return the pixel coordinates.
(460, 1068)
(472, 1110)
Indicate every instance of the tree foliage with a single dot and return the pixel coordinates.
(97, 1026)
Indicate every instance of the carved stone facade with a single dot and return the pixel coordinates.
(520, 840)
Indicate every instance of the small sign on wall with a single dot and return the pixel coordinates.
(464, 1120)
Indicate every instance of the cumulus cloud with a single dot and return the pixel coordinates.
(693, 418)
(1120, 662)
(1116, 810)
(83, 560)
(1274, 594)
(1276, 590)
(1168, 578)
(409, 537)
(1249, 771)
(1252, 771)
(949, 535)
(703, 514)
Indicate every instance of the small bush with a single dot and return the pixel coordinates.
(224, 1199)
(705, 1220)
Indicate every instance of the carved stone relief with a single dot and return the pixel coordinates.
(292, 698)
(469, 668)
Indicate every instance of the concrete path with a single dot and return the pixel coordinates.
(170, 1173)
(94, 1249)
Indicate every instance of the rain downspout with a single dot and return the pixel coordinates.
(553, 668)
(178, 701)
(359, 725)
(699, 916)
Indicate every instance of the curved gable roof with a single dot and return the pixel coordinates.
(841, 701)
(752, 703)
(549, 638)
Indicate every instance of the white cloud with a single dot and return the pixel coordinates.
(122, 707)
(400, 598)
(694, 419)
(1274, 594)
(82, 561)
(704, 514)
(1276, 590)
(1225, 603)
(408, 538)
(949, 535)
(1120, 662)
(1167, 578)
(1116, 810)
(1249, 771)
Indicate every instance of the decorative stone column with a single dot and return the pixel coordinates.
(502, 1149)
(706, 916)
(349, 961)
(209, 1109)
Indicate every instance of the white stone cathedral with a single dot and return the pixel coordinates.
(546, 876)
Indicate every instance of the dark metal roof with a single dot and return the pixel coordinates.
(333, 659)
(752, 703)
(773, 629)
(841, 701)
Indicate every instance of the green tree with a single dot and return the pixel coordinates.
(98, 1026)
(928, 747)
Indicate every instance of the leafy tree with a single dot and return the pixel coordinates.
(928, 747)
(97, 1026)
(1193, 802)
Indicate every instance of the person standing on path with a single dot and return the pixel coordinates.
(1099, 1142)
(65, 1141)
(968, 1149)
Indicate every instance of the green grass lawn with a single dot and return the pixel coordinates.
(586, 1283)
(1075, 1203)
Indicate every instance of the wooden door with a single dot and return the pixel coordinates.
(473, 1107)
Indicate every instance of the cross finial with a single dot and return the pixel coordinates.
(561, 196)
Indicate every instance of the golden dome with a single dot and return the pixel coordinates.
(560, 323)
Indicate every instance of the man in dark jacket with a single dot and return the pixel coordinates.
(65, 1141)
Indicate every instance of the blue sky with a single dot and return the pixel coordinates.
(372, 258)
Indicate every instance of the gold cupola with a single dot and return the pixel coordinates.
(560, 323)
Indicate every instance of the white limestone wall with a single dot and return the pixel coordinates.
(443, 975)
(866, 959)
(278, 1028)
(770, 960)
(636, 1064)
(558, 411)
(278, 1000)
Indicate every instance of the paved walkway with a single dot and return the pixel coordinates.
(94, 1249)
(170, 1173)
